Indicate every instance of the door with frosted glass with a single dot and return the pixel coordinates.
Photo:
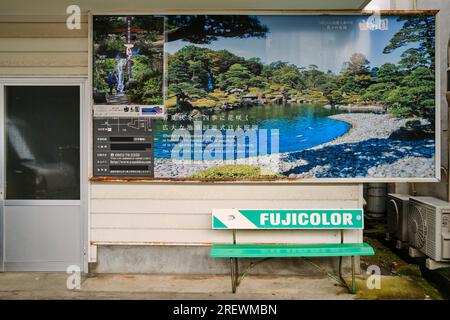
(42, 212)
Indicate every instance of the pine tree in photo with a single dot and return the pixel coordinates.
(418, 29)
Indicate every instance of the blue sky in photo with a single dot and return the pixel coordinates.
(304, 40)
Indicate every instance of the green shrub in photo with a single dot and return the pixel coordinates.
(236, 171)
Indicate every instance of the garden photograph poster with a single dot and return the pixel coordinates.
(277, 97)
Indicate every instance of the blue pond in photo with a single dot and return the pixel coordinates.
(300, 127)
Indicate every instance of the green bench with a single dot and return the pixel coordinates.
(244, 219)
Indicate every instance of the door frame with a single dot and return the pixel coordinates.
(82, 83)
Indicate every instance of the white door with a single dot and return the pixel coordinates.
(42, 211)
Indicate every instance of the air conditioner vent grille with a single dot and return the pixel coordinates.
(393, 215)
(426, 230)
(416, 227)
(431, 232)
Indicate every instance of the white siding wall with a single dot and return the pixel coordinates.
(149, 213)
(163, 213)
(42, 46)
(120, 6)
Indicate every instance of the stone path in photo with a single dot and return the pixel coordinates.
(365, 151)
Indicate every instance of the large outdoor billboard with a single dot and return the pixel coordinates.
(278, 97)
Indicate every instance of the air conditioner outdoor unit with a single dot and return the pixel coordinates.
(397, 214)
(429, 230)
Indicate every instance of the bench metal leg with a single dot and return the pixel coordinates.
(353, 287)
(340, 274)
(353, 275)
(234, 267)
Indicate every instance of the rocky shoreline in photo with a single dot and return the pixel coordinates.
(370, 149)
(357, 108)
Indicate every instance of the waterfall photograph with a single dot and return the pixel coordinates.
(128, 60)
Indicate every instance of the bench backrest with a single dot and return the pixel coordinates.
(287, 219)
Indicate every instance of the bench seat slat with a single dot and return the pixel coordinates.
(290, 250)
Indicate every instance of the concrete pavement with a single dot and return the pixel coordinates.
(43, 285)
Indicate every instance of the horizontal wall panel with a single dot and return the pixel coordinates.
(229, 192)
(202, 207)
(182, 6)
(44, 71)
(44, 45)
(43, 59)
(150, 221)
(144, 213)
(160, 236)
(287, 236)
(181, 236)
(40, 30)
(295, 236)
(38, 18)
(32, 45)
